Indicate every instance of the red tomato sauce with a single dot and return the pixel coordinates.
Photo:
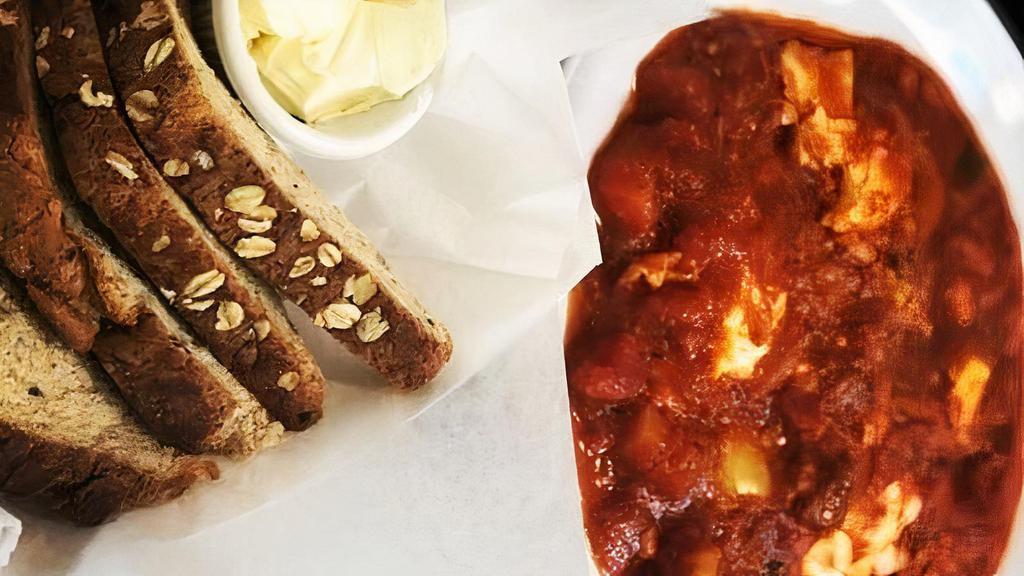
(801, 354)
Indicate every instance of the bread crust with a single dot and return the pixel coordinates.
(159, 231)
(183, 398)
(149, 48)
(88, 486)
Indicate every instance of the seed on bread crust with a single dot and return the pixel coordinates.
(338, 316)
(329, 255)
(289, 381)
(255, 247)
(170, 295)
(176, 168)
(262, 328)
(203, 159)
(309, 231)
(43, 39)
(121, 165)
(161, 243)
(68, 32)
(94, 100)
(303, 266)
(318, 281)
(360, 290)
(229, 316)
(141, 105)
(263, 213)
(371, 327)
(254, 226)
(245, 199)
(203, 284)
(157, 53)
(200, 306)
(42, 66)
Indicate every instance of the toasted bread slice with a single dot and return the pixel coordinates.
(65, 436)
(177, 389)
(311, 252)
(155, 226)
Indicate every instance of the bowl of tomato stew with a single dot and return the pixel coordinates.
(801, 354)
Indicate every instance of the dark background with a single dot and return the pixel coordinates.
(1010, 12)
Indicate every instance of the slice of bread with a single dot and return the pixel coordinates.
(155, 226)
(311, 252)
(176, 388)
(65, 436)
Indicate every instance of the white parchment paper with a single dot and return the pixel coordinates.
(10, 531)
(483, 211)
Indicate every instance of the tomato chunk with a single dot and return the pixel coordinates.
(616, 369)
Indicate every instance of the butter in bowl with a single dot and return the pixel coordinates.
(337, 79)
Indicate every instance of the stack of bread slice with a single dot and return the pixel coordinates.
(124, 152)
(65, 435)
(257, 201)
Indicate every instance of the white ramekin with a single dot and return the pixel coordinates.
(344, 138)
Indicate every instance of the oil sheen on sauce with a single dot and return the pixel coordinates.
(801, 355)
